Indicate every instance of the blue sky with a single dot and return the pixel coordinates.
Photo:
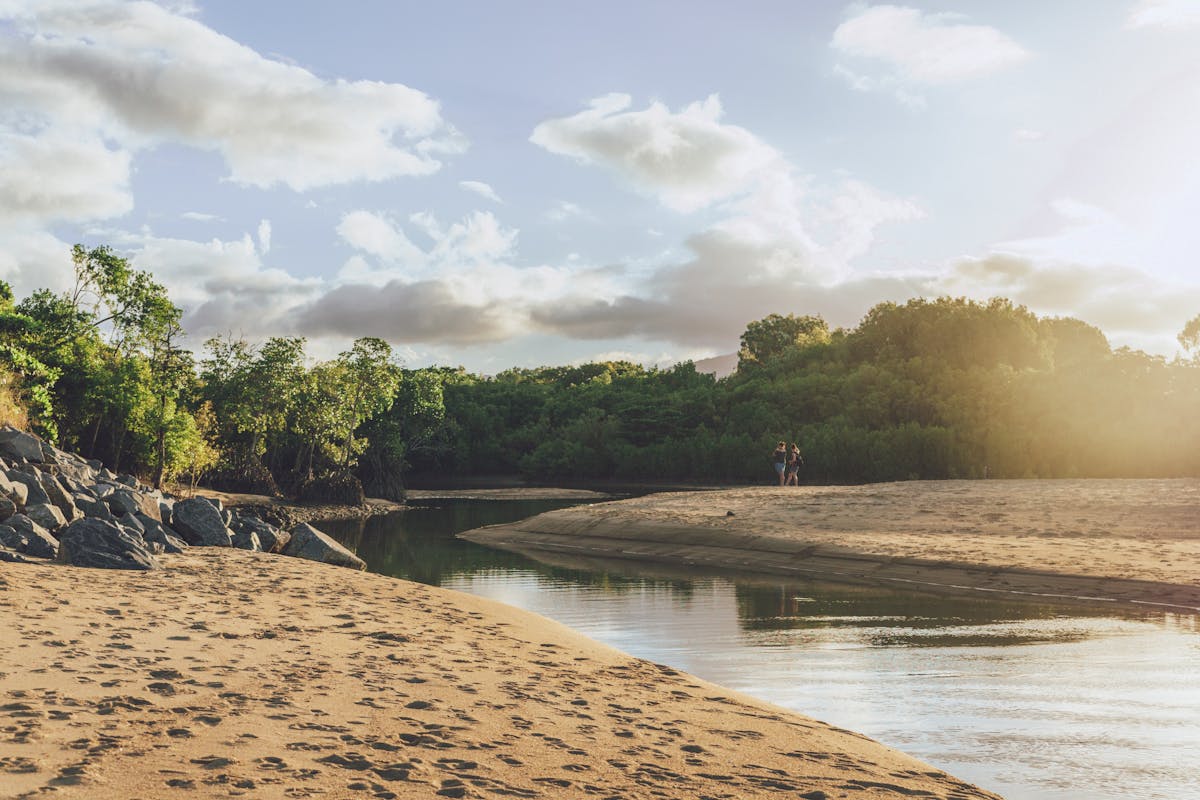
(530, 183)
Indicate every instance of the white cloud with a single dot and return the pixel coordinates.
(1028, 135)
(1133, 307)
(56, 175)
(1165, 13)
(688, 159)
(912, 47)
(34, 259)
(563, 211)
(379, 236)
(482, 189)
(199, 216)
(782, 243)
(264, 236)
(136, 74)
(857, 210)
(223, 286)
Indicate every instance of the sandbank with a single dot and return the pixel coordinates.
(233, 673)
(1092, 541)
(508, 493)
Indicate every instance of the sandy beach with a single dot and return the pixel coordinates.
(232, 673)
(1129, 541)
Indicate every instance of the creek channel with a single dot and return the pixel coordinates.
(1033, 701)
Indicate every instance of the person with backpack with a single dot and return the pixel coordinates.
(794, 462)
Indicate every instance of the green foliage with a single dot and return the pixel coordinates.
(767, 339)
(942, 388)
(945, 388)
(1189, 337)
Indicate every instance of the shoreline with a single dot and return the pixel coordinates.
(287, 514)
(234, 673)
(1126, 542)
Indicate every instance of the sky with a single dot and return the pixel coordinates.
(519, 184)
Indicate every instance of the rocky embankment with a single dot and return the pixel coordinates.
(56, 505)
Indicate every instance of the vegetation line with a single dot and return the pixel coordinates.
(941, 388)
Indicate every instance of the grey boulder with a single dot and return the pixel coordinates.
(13, 557)
(308, 542)
(34, 493)
(272, 539)
(11, 539)
(127, 501)
(19, 444)
(157, 535)
(199, 523)
(92, 506)
(46, 515)
(98, 543)
(247, 540)
(59, 496)
(39, 542)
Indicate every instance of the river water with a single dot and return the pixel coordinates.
(1036, 702)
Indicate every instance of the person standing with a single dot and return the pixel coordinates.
(780, 457)
(794, 461)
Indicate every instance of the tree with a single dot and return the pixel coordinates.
(1189, 337)
(254, 390)
(770, 337)
(369, 379)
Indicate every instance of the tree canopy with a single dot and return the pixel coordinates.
(932, 388)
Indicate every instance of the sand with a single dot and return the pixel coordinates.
(231, 673)
(1098, 541)
(507, 493)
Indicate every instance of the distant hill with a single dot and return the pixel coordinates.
(720, 366)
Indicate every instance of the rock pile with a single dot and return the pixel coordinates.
(54, 504)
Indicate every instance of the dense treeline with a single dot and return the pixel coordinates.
(946, 388)
(929, 389)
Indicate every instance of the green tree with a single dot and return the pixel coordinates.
(767, 339)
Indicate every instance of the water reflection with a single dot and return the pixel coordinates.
(1032, 701)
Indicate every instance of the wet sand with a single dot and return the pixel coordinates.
(230, 673)
(1093, 541)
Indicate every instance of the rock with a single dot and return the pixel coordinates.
(7, 508)
(74, 485)
(46, 515)
(127, 501)
(92, 506)
(12, 539)
(131, 522)
(6, 485)
(166, 507)
(95, 464)
(157, 534)
(199, 522)
(226, 516)
(128, 480)
(308, 542)
(272, 539)
(98, 543)
(13, 558)
(34, 493)
(59, 496)
(39, 541)
(19, 493)
(247, 540)
(17, 444)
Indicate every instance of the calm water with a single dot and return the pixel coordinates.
(1030, 701)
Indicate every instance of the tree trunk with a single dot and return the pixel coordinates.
(162, 443)
(120, 443)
